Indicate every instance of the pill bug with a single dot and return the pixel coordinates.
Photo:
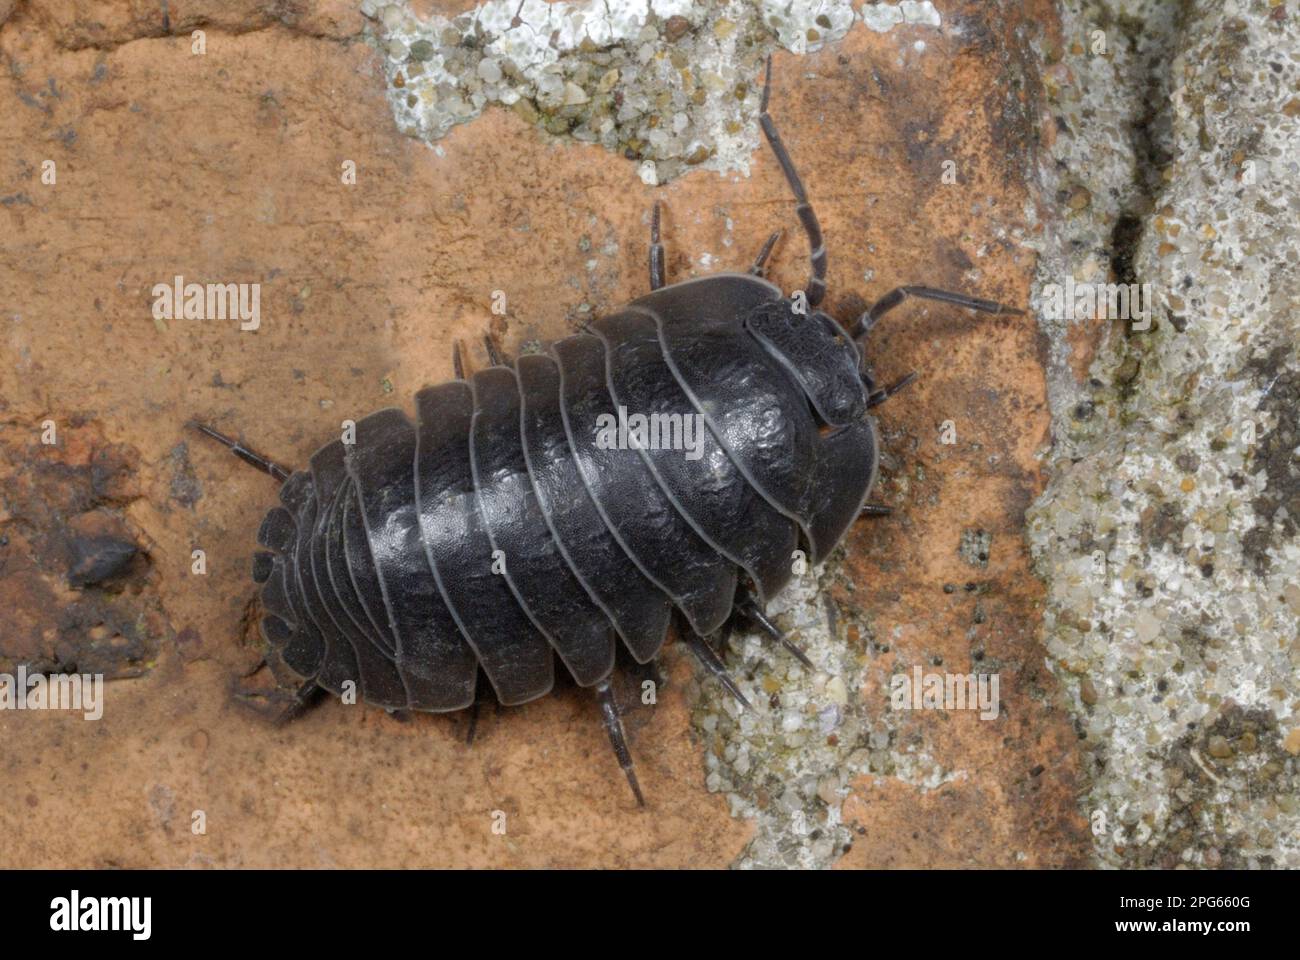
(497, 532)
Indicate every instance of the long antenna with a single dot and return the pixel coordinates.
(247, 454)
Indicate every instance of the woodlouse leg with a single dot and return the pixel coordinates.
(249, 456)
(457, 361)
(760, 262)
(816, 288)
(306, 696)
(473, 724)
(713, 663)
(614, 727)
(877, 397)
(294, 704)
(876, 510)
(657, 272)
(722, 644)
(474, 708)
(497, 358)
(896, 296)
(751, 612)
(641, 673)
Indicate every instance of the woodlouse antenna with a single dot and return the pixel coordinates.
(896, 296)
(248, 455)
(657, 274)
(816, 287)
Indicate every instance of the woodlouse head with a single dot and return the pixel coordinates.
(820, 356)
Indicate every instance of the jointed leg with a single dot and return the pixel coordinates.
(712, 662)
(614, 727)
(816, 288)
(473, 724)
(894, 297)
(457, 361)
(303, 699)
(495, 356)
(657, 277)
(480, 686)
(751, 612)
(276, 703)
(248, 455)
(877, 397)
(760, 262)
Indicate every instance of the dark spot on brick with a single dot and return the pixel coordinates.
(96, 559)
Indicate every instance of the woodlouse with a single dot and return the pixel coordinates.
(496, 531)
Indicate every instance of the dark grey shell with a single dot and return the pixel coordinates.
(637, 609)
(758, 412)
(709, 492)
(495, 532)
(638, 512)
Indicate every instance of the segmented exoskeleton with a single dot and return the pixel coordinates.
(496, 530)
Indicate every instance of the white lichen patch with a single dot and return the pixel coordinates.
(1168, 535)
(789, 763)
(885, 16)
(671, 84)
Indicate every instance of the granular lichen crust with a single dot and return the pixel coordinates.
(790, 763)
(1167, 536)
(671, 84)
